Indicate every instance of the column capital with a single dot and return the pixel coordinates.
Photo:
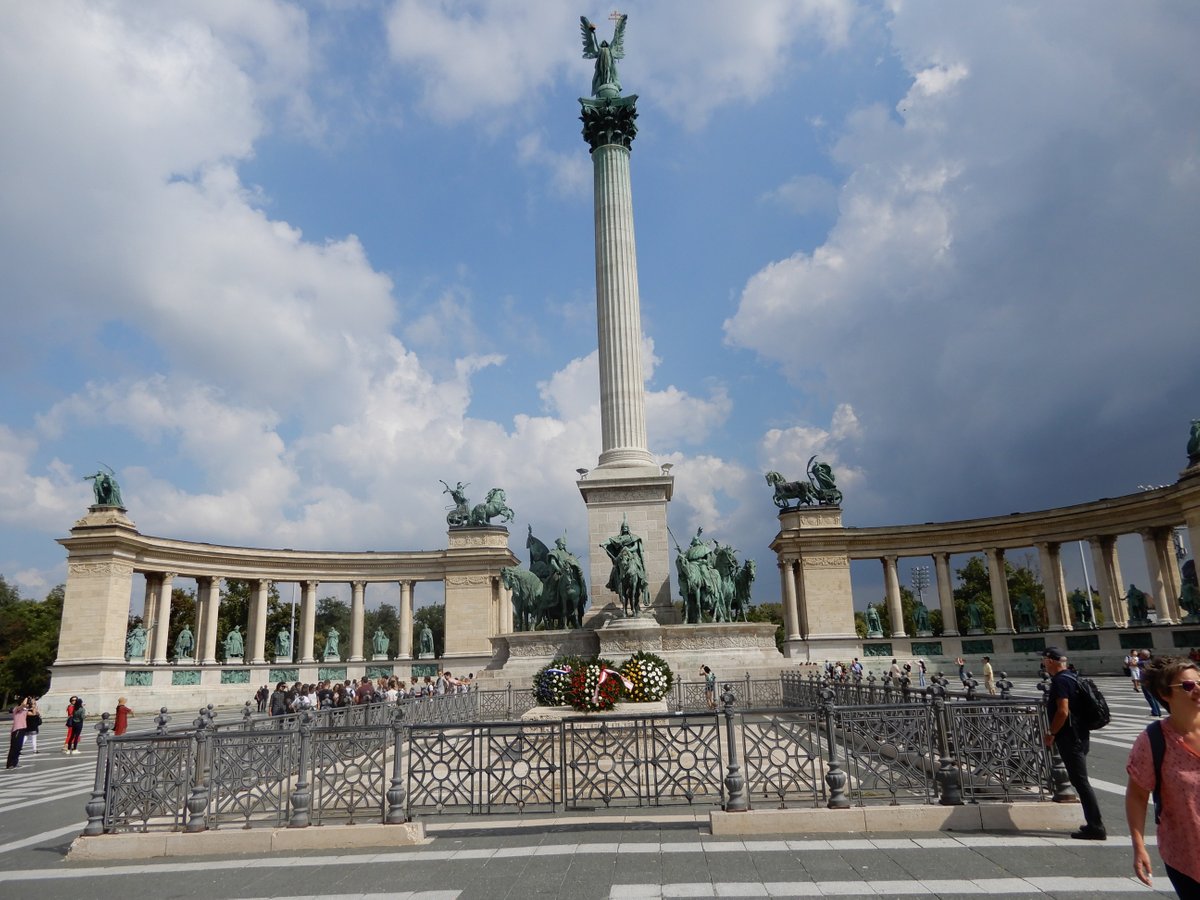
(609, 121)
(358, 584)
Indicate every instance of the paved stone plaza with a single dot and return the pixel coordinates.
(631, 854)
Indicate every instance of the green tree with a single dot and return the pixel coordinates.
(768, 612)
(435, 617)
(28, 641)
(908, 603)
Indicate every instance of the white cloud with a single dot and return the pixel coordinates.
(978, 286)
(476, 59)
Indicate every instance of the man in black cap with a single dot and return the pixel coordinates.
(1071, 740)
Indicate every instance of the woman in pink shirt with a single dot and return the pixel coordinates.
(1175, 681)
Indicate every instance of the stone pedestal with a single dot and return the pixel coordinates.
(233, 660)
(379, 657)
(473, 597)
(874, 634)
(927, 633)
(426, 656)
(184, 661)
(811, 545)
(639, 496)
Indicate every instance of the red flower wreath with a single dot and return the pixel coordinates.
(587, 693)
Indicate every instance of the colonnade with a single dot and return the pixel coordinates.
(156, 618)
(1164, 586)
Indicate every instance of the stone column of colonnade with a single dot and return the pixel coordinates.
(257, 627)
(1172, 577)
(358, 591)
(1159, 563)
(945, 589)
(150, 610)
(211, 589)
(1057, 611)
(162, 618)
(791, 609)
(404, 649)
(308, 623)
(1108, 576)
(998, 582)
(891, 581)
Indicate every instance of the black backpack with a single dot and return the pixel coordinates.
(1090, 709)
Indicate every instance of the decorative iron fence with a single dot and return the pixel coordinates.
(444, 754)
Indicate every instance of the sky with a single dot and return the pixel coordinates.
(283, 266)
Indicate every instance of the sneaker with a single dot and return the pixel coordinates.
(1088, 833)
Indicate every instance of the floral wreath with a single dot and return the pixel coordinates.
(649, 677)
(595, 686)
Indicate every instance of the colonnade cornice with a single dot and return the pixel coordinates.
(189, 559)
(1130, 514)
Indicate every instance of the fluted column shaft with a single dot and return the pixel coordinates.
(1108, 573)
(791, 611)
(150, 611)
(891, 581)
(404, 649)
(1057, 613)
(211, 589)
(357, 616)
(258, 622)
(618, 312)
(945, 589)
(1154, 544)
(162, 620)
(308, 622)
(998, 582)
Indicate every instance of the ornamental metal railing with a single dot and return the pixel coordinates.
(471, 754)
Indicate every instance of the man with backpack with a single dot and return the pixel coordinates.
(1068, 732)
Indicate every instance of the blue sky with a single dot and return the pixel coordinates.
(284, 266)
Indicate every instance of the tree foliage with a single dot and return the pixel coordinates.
(28, 641)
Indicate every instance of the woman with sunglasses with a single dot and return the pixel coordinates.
(1174, 680)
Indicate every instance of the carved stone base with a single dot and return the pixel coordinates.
(426, 656)
(928, 633)
(875, 634)
(973, 631)
(233, 660)
(379, 657)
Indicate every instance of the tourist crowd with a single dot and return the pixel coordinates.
(330, 694)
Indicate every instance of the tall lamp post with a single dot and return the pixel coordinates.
(920, 581)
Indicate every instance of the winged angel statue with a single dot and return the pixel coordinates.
(605, 82)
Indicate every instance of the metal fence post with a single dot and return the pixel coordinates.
(1005, 686)
(302, 794)
(735, 785)
(835, 776)
(395, 792)
(949, 786)
(509, 693)
(197, 801)
(161, 720)
(96, 804)
(247, 715)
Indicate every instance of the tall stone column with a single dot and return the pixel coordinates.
(162, 618)
(357, 615)
(1169, 567)
(308, 622)
(1050, 559)
(258, 624)
(891, 581)
(998, 581)
(791, 611)
(945, 589)
(1152, 542)
(211, 589)
(404, 644)
(150, 609)
(627, 486)
(1108, 573)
